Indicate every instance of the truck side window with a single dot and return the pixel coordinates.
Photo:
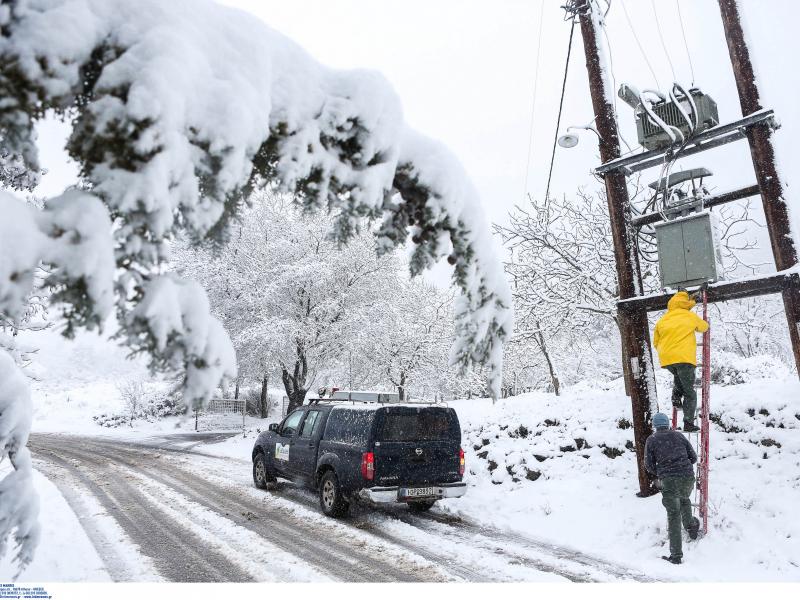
(310, 424)
(291, 423)
(350, 427)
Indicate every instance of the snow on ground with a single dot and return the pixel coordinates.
(563, 469)
(65, 554)
(555, 468)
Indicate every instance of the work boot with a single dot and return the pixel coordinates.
(694, 528)
(690, 428)
(675, 560)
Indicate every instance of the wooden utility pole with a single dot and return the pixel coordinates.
(634, 328)
(762, 152)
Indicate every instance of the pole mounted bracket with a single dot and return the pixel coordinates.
(710, 138)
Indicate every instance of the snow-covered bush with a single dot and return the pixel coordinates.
(131, 392)
(181, 109)
(143, 402)
(728, 368)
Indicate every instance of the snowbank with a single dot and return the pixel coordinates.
(68, 555)
(564, 469)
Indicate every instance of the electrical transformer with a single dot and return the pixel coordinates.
(652, 137)
(688, 251)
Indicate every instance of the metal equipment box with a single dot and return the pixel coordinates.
(652, 137)
(688, 252)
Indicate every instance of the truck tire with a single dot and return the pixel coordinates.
(421, 506)
(261, 475)
(331, 500)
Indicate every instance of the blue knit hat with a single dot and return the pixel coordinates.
(660, 421)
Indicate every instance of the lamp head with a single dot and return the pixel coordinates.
(568, 140)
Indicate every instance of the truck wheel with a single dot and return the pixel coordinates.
(421, 506)
(331, 500)
(261, 476)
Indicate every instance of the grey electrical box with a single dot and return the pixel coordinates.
(688, 252)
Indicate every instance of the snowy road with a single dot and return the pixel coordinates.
(158, 511)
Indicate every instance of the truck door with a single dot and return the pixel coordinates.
(303, 460)
(285, 441)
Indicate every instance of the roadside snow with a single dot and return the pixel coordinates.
(67, 555)
(559, 469)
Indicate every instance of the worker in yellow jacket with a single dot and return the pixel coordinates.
(675, 341)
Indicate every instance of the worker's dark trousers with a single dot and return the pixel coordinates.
(683, 387)
(675, 496)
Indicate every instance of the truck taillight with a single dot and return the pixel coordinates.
(368, 466)
(461, 461)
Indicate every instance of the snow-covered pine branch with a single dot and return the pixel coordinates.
(179, 111)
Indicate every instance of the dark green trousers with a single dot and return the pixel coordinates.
(675, 496)
(683, 387)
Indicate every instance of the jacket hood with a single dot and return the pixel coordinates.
(680, 300)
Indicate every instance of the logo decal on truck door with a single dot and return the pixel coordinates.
(282, 451)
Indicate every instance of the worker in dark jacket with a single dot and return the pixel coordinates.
(669, 456)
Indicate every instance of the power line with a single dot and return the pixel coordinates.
(613, 76)
(533, 104)
(661, 37)
(638, 43)
(685, 43)
(560, 108)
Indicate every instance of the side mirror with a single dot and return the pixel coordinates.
(274, 426)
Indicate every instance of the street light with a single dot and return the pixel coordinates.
(570, 140)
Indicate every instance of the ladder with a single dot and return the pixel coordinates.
(702, 441)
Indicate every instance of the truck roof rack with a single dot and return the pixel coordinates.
(367, 397)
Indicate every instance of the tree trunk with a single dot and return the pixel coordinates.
(236, 391)
(543, 347)
(264, 402)
(401, 389)
(295, 382)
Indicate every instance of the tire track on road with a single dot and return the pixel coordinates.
(177, 554)
(341, 559)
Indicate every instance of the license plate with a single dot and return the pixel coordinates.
(420, 492)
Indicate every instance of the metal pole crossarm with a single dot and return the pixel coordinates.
(711, 201)
(710, 138)
(720, 292)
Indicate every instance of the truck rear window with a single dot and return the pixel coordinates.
(416, 425)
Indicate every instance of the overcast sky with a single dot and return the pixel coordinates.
(465, 72)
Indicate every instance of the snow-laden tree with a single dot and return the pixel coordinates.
(414, 333)
(179, 110)
(293, 297)
(564, 283)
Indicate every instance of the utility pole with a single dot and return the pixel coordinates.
(762, 152)
(634, 329)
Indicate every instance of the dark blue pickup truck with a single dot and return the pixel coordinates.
(383, 453)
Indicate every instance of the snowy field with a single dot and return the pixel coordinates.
(560, 469)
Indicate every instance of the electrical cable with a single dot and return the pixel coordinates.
(613, 78)
(638, 43)
(560, 108)
(685, 43)
(661, 37)
(533, 104)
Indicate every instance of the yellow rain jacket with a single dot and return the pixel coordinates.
(674, 335)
